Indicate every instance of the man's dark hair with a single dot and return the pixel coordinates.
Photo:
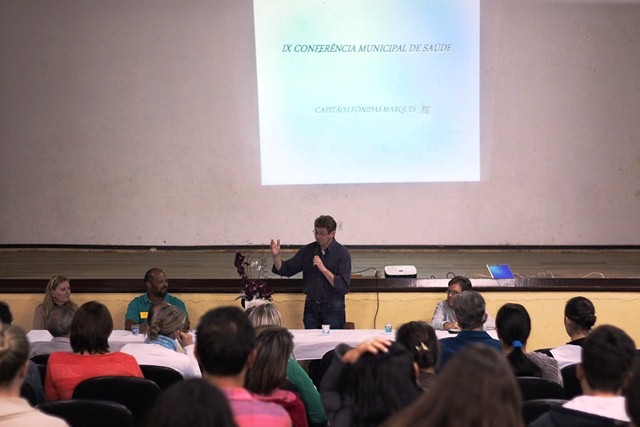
(464, 282)
(607, 358)
(469, 308)
(59, 320)
(225, 340)
(90, 328)
(325, 221)
(5, 313)
(148, 276)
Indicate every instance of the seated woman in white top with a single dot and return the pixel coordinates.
(14, 410)
(579, 318)
(161, 346)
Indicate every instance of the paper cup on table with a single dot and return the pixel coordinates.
(326, 329)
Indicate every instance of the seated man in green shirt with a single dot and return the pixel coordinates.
(157, 288)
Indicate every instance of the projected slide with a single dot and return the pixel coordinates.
(374, 91)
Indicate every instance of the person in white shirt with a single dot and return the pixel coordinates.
(14, 410)
(443, 316)
(579, 318)
(161, 346)
(607, 359)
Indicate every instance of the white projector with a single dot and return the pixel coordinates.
(400, 271)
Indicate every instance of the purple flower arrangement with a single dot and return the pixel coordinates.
(251, 288)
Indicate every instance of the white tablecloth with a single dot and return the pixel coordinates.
(308, 343)
(117, 339)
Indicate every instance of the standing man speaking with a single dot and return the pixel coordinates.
(326, 273)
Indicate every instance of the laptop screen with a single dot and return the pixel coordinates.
(500, 271)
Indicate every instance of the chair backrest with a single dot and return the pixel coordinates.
(161, 375)
(41, 361)
(27, 392)
(532, 409)
(572, 386)
(137, 394)
(539, 388)
(90, 413)
(546, 351)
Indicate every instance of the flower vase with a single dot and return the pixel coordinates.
(254, 303)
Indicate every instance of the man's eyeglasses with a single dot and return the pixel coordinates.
(316, 233)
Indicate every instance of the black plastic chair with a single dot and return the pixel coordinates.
(137, 394)
(546, 351)
(539, 388)
(41, 361)
(572, 386)
(161, 375)
(27, 392)
(90, 413)
(532, 409)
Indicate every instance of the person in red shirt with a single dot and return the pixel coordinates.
(90, 330)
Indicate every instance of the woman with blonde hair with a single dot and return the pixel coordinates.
(57, 292)
(161, 346)
(14, 410)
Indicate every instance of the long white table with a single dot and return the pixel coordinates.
(309, 344)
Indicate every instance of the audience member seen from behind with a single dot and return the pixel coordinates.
(444, 317)
(632, 392)
(268, 314)
(59, 326)
(421, 341)
(367, 384)
(90, 330)
(33, 380)
(161, 346)
(477, 388)
(157, 291)
(225, 351)
(469, 309)
(15, 411)
(273, 346)
(57, 292)
(513, 325)
(579, 318)
(607, 359)
(191, 403)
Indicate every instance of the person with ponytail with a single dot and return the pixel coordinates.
(161, 346)
(57, 292)
(422, 342)
(513, 325)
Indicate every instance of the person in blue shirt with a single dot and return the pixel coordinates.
(470, 311)
(157, 291)
(326, 273)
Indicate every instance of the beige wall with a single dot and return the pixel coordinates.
(546, 308)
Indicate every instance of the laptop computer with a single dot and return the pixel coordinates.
(500, 271)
